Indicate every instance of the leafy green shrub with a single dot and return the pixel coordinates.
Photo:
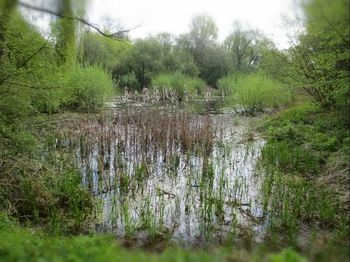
(129, 80)
(50, 98)
(178, 83)
(309, 124)
(301, 114)
(253, 92)
(88, 87)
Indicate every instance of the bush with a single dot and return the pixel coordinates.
(88, 87)
(253, 92)
(181, 85)
(129, 80)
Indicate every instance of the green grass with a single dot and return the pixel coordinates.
(28, 244)
(306, 173)
(253, 92)
(182, 85)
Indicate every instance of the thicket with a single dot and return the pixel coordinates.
(97, 50)
(150, 57)
(321, 59)
(317, 63)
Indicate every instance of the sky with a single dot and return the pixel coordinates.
(174, 16)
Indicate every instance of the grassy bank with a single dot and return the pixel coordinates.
(305, 185)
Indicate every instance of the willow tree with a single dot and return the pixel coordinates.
(66, 34)
(245, 47)
(203, 34)
(201, 43)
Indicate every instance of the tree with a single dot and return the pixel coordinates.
(103, 51)
(245, 48)
(319, 60)
(203, 33)
(165, 42)
(214, 64)
(185, 63)
(201, 43)
(66, 34)
(277, 64)
(145, 59)
(153, 55)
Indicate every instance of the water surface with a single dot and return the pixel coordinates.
(171, 171)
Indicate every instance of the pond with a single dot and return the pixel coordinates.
(172, 172)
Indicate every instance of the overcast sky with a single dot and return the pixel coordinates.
(174, 16)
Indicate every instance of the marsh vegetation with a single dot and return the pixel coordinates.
(173, 147)
(169, 173)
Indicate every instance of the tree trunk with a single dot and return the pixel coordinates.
(66, 39)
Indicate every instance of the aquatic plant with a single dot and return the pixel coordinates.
(253, 93)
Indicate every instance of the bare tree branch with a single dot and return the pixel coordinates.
(121, 34)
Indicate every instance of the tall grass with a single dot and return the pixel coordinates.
(253, 92)
(184, 87)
